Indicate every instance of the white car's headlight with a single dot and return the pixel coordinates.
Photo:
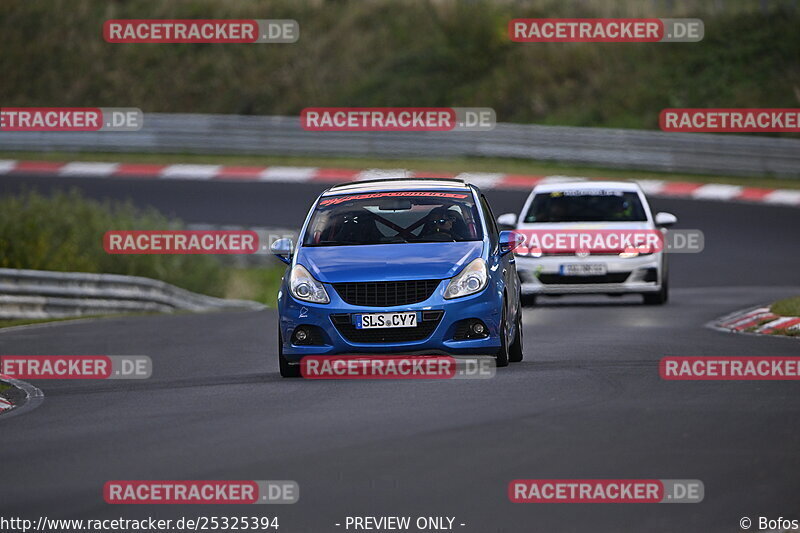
(473, 278)
(304, 287)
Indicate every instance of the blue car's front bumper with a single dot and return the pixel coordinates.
(485, 306)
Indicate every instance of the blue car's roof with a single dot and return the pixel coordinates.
(401, 184)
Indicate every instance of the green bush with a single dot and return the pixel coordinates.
(64, 232)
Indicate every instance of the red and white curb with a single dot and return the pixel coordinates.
(759, 320)
(283, 174)
(33, 398)
(5, 405)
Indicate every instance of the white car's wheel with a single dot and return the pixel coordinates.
(658, 298)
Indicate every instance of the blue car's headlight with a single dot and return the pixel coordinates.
(472, 279)
(303, 286)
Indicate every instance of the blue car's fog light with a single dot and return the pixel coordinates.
(472, 328)
(308, 335)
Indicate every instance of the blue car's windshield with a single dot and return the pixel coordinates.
(394, 217)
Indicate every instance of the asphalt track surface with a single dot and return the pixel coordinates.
(587, 402)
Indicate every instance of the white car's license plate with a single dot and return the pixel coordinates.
(583, 269)
(386, 320)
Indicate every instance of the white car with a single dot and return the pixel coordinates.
(595, 208)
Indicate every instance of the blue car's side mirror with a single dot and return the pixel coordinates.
(283, 249)
(509, 240)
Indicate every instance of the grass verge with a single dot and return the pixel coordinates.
(787, 307)
(465, 164)
(259, 284)
(30, 321)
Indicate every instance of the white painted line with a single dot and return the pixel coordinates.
(379, 174)
(717, 191)
(651, 186)
(191, 172)
(288, 174)
(775, 323)
(79, 168)
(484, 180)
(7, 165)
(751, 314)
(783, 196)
(749, 317)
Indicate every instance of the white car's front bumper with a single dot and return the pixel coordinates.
(632, 275)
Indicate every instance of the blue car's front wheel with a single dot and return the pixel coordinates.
(502, 354)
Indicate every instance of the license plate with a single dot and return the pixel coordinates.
(386, 320)
(583, 269)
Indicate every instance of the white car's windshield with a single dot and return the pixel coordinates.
(590, 205)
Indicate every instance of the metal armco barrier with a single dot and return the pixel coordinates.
(728, 154)
(32, 294)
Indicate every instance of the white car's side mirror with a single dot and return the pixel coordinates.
(507, 219)
(664, 220)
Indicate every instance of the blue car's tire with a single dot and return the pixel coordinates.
(501, 359)
(515, 353)
(287, 370)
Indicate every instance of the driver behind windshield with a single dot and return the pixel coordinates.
(358, 227)
(443, 224)
(620, 209)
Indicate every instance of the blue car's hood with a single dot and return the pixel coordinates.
(388, 262)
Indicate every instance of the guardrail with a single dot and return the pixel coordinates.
(606, 147)
(34, 294)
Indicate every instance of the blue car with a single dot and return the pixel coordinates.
(399, 266)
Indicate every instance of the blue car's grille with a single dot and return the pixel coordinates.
(424, 329)
(386, 293)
